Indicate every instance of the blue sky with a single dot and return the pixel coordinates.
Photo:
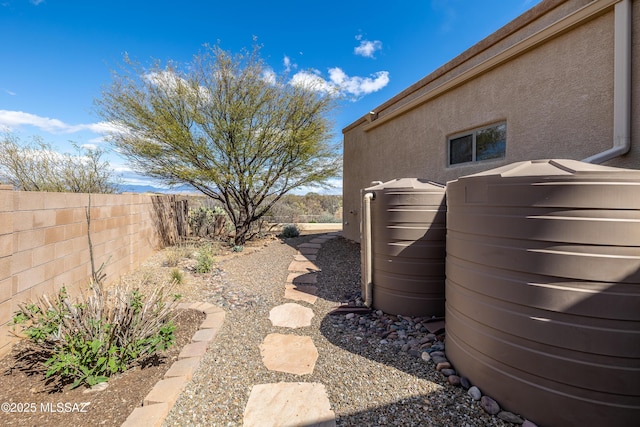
(56, 55)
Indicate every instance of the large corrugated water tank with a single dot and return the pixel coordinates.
(408, 235)
(543, 290)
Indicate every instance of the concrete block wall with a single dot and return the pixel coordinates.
(44, 242)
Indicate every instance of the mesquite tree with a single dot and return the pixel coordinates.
(226, 125)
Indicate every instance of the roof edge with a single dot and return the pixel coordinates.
(505, 31)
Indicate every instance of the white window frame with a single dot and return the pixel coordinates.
(473, 133)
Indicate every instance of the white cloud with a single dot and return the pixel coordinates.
(9, 92)
(359, 86)
(286, 61)
(340, 82)
(37, 2)
(367, 48)
(13, 119)
(10, 120)
(312, 79)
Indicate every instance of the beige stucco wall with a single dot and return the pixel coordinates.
(557, 101)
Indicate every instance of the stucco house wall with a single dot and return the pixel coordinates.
(549, 75)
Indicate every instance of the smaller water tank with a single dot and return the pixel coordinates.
(543, 290)
(408, 235)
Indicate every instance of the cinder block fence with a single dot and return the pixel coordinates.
(44, 241)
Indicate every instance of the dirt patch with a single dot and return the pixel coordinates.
(29, 404)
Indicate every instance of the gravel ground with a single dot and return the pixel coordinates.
(368, 383)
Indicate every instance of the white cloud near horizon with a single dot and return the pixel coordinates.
(367, 48)
(14, 119)
(339, 81)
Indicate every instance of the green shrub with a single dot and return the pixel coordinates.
(99, 335)
(176, 276)
(290, 230)
(205, 260)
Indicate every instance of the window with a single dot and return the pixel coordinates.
(480, 144)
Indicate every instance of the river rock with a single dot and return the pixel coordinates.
(447, 372)
(510, 417)
(474, 392)
(454, 380)
(489, 405)
(465, 383)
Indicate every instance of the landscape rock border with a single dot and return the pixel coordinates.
(162, 397)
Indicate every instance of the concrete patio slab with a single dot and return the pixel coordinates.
(306, 293)
(289, 353)
(302, 278)
(289, 404)
(291, 315)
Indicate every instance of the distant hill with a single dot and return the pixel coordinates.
(132, 188)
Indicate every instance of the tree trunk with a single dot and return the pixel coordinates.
(242, 231)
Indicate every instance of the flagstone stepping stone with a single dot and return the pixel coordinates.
(310, 245)
(289, 404)
(291, 315)
(300, 257)
(306, 266)
(289, 353)
(300, 277)
(319, 240)
(308, 251)
(306, 293)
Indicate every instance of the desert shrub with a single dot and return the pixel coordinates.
(205, 260)
(176, 253)
(99, 335)
(290, 230)
(327, 218)
(177, 276)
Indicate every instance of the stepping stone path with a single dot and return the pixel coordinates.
(291, 315)
(295, 403)
(289, 353)
(275, 405)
